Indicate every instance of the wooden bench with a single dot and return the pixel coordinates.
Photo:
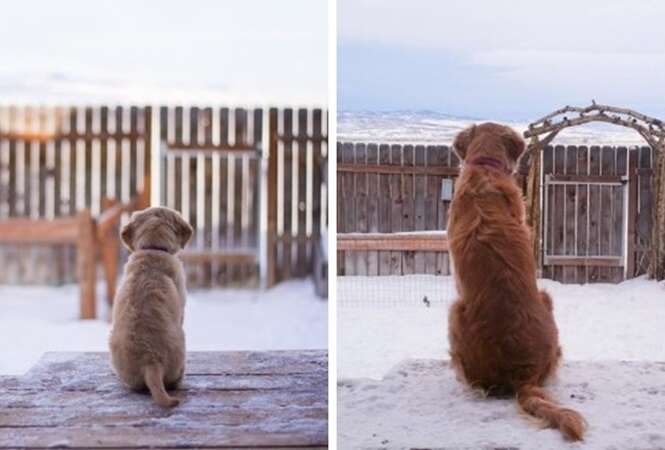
(229, 399)
(96, 240)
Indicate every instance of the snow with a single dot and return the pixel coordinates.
(427, 127)
(384, 320)
(419, 404)
(34, 320)
(395, 389)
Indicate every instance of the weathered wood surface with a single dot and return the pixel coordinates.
(391, 189)
(229, 399)
(586, 234)
(420, 404)
(426, 242)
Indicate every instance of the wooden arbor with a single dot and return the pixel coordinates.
(543, 131)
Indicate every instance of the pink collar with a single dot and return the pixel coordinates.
(490, 161)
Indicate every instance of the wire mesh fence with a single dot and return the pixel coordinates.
(417, 290)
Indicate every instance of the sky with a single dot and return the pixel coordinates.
(511, 60)
(170, 50)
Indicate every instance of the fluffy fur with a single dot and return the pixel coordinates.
(147, 340)
(503, 337)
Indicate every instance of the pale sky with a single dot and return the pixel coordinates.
(242, 50)
(500, 59)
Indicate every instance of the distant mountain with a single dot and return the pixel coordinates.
(434, 127)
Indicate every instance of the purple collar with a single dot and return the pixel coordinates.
(490, 161)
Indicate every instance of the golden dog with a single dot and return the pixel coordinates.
(147, 340)
(503, 338)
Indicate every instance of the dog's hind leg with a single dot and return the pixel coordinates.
(455, 327)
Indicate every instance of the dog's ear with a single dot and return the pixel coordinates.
(183, 230)
(463, 140)
(127, 235)
(514, 143)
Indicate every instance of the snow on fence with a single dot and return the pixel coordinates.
(596, 203)
(248, 180)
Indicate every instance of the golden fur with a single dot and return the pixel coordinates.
(503, 338)
(147, 340)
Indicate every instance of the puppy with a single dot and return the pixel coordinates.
(147, 340)
(503, 338)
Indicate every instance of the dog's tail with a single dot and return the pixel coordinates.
(154, 378)
(535, 401)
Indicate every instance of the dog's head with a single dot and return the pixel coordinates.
(489, 139)
(156, 228)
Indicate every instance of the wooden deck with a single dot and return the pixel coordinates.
(229, 399)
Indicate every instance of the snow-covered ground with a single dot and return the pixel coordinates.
(34, 320)
(396, 390)
(382, 321)
(427, 127)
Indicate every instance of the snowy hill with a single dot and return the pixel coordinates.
(432, 127)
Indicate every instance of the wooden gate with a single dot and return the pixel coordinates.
(211, 173)
(595, 208)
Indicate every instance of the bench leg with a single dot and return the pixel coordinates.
(87, 264)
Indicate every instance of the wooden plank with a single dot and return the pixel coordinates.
(608, 166)
(389, 169)
(287, 206)
(548, 195)
(303, 260)
(644, 220)
(348, 212)
(568, 212)
(372, 207)
(271, 257)
(594, 213)
(428, 242)
(631, 235)
(420, 182)
(385, 208)
(230, 400)
(408, 207)
(396, 198)
(572, 261)
(360, 205)
(319, 166)
(87, 267)
(236, 257)
(578, 179)
(558, 226)
(39, 231)
(618, 210)
(582, 213)
(432, 194)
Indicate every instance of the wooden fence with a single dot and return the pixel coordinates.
(390, 189)
(215, 169)
(55, 162)
(596, 210)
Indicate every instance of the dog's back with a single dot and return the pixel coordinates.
(507, 326)
(503, 337)
(147, 316)
(147, 340)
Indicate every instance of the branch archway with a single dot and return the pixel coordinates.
(543, 131)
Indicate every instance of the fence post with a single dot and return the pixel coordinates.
(271, 258)
(632, 215)
(87, 266)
